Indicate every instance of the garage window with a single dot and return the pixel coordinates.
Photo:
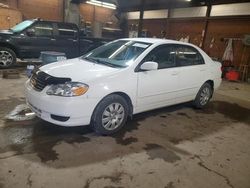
(187, 56)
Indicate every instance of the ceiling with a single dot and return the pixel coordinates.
(132, 5)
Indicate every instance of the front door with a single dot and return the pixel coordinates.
(41, 40)
(66, 40)
(158, 88)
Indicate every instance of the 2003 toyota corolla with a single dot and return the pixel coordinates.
(124, 77)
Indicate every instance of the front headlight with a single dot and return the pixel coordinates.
(69, 89)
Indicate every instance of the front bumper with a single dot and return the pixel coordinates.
(74, 111)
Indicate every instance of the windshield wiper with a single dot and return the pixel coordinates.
(90, 59)
(98, 61)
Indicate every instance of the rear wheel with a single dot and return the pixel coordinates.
(7, 57)
(203, 96)
(110, 115)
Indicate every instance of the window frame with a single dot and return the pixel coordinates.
(66, 36)
(137, 69)
(38, 22)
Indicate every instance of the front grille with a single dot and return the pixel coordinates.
(39, 80)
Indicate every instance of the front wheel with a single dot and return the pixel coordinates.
(203, 96)
(7, 57)
(110, 115)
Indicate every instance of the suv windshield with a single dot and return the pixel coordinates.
(119, 53)
(21, 26)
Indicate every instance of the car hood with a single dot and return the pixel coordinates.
(6, 32)
(78, 70)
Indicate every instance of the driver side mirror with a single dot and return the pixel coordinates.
(149, 65)
(30, 32)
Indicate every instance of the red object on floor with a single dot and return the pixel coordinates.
(232, 75)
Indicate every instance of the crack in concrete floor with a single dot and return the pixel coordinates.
(201, 163)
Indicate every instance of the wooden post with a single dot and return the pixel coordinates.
(140, 25)
(209, 6)
(168, 23)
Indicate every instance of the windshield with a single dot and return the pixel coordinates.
(119, 53)
(21, 26)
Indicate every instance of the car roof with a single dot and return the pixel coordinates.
(157, 41)
(51, 21)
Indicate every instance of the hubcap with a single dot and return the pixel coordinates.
(5, 58)
(205, 96)
(113, 116)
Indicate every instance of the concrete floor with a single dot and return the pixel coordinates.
(174, 147)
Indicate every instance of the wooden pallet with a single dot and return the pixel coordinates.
(10, 74)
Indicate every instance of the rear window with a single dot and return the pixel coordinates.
(187, 56)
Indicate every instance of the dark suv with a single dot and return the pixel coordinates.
(27, 39)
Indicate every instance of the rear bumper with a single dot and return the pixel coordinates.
(63, 111)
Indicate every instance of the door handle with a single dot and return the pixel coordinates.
(202, 70)
(72, 40)
(53, 39)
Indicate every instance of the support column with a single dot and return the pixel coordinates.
(209, 6)
(71, 12)
(140, 25)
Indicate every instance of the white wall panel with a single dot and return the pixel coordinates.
(133, 15)
(188, 12)
(231, 9)
(155, 14)
(148, 14)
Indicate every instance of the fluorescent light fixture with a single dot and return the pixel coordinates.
(101, 4)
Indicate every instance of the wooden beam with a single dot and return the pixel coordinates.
(209, 7)
(140, 25)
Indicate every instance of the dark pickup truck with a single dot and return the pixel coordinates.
(27, 39)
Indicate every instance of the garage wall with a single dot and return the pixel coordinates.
(218, 29)
(153, 27)
(92, 13)
(227, 28)
(45, 9)
(175, 28)
(10, 3)
(181, 23)
(9, 17)
(191, 28)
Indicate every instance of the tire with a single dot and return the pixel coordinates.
(110, 115)
(7, 57)
(203, 96)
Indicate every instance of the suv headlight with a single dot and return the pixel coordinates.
(69, 89)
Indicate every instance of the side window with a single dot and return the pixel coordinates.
(187, 56)
(43, 29)
(164, 55)
(67, 30)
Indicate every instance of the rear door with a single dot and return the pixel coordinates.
(192, 69)
(31, 46)
(66, 39)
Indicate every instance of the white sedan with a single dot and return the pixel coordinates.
(122, 78)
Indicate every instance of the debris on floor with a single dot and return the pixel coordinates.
(21, 113)
(11, 74)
